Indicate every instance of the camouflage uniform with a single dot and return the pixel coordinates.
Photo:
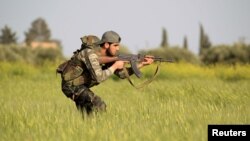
(82, 72)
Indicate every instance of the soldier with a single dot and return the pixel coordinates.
(85, 69)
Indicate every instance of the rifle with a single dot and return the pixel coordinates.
(132, 59)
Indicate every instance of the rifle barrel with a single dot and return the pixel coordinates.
(162, 59)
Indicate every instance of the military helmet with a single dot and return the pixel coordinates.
(90, 40)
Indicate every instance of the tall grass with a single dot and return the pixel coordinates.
(177, 106)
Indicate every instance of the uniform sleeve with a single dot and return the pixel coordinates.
(92, 63)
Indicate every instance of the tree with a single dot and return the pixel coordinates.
(7, 36)
(39, 31)
(205, 43)
(164, 42)
(185, 43)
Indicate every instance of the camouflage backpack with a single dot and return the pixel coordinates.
(71, 70)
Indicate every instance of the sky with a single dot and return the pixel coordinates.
(138, 22)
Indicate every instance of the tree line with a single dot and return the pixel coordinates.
(208, 53)
(40, 32)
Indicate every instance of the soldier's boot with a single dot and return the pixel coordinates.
(99, 104)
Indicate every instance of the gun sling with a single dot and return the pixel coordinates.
(145, 83)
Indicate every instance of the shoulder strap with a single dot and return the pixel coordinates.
(89, 66)
(145, 83)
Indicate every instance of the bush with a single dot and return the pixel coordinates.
(10, 53)
(38, 56)
(42, 55)
(238, 53)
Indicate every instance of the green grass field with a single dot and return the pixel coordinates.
(177, 106)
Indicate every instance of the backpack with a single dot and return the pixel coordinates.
(71, 70)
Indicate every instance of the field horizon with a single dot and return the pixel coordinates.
(179, 105)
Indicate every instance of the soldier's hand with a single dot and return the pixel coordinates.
(147, 60)
(118, 64)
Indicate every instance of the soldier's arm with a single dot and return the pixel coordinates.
(93, 65)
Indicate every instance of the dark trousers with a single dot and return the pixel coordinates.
(85, 99)
(89, 102)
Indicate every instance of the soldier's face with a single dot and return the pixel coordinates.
(113, 49)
